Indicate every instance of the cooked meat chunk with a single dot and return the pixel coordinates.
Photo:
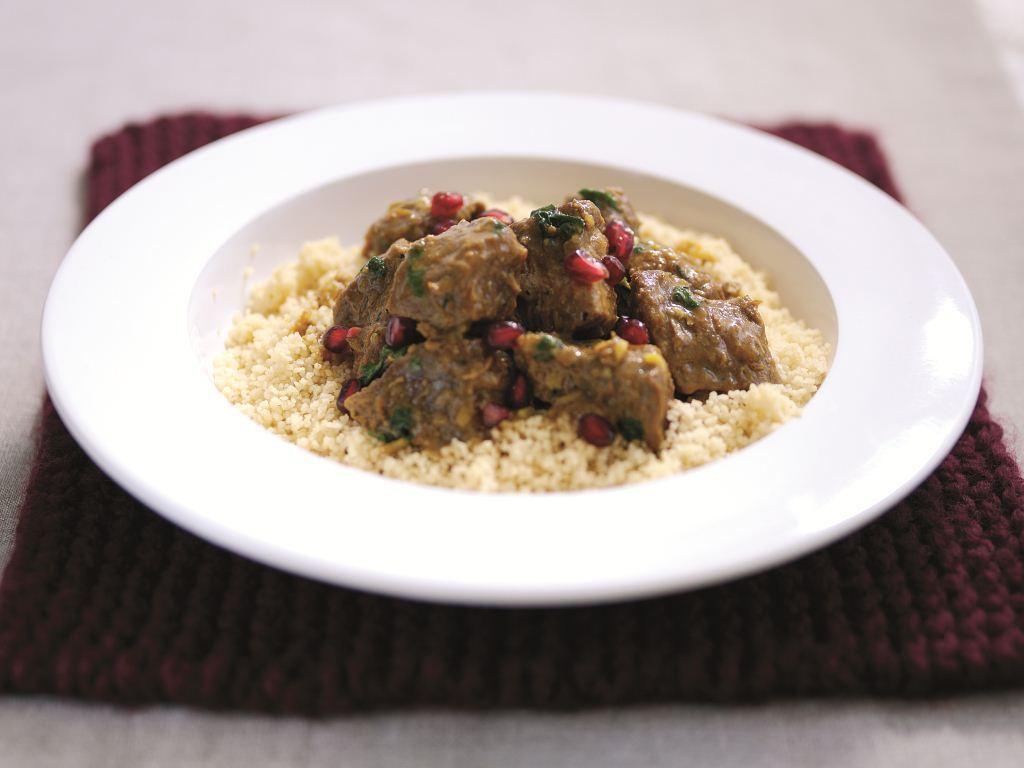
(710, 344)
(368, 353)
(409, 219)
(363, 303)
(613, 203)
(551, 300)
(626, 384)
(652, 255)
(433, 393)
(364, 300)
(464, 275)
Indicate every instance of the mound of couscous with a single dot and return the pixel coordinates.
(274, 370)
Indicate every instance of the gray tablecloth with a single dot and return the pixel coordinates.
(922, 73)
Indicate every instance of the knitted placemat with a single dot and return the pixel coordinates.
(105, 600)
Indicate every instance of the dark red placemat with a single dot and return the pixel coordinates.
(105, 600)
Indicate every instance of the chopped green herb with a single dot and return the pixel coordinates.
(371, 371)
(376, 266)
(399, 425)
(401, 420)
(631, 429)
(553, 222)
(415, 364)
(384, 437)
(414, 275)
(545, 348)
(498, 225)
(681, 295)
(600, 197)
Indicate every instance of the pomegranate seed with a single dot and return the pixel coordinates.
(503, 335)
(493, 414)
(497, 213)
(632, 330)
(519, 392)
(584, 268)
(615, 269)
(620, 240)
(444, 205)
(335, 339)
(595, 430)
(441, 225)
(399, 330)
(348, 389)
(353, 331)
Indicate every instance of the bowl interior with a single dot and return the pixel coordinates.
(344, 208)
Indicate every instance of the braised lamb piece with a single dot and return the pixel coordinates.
(362, 304)
(418, 217)
(621, 224)
(614, 205)
(465, 275)
(442, 282)
(628, 385)
(650, 255)
(564, 286)
(711, 345)
(433, 393)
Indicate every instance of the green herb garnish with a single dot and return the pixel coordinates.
(631, 429)
(376, 266)
(399, 425)
(401, 420)
(553, 222)
(639, 248)
(681, 295)
(415, 364)
(600, 197)
(414, 275)
(498, 225)
(545, 347)
(371, 371)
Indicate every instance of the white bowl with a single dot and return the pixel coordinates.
(140, 304)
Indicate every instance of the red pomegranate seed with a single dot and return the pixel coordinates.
(335, 339)
(584, 268)
(632, 330)
(353, 331)
(620, 240)
(595, 430)
(441, 225)
(615, 269)
(497, 213)
(399, 330)
(519, 392)
(348, 389)
(444, 205)
(503, 335)
(493, 414)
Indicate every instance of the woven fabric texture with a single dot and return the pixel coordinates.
(104, 600)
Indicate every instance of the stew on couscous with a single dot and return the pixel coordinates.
(462, 316)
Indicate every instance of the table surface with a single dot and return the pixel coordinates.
(927, 76)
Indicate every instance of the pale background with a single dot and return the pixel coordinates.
(935, 78)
